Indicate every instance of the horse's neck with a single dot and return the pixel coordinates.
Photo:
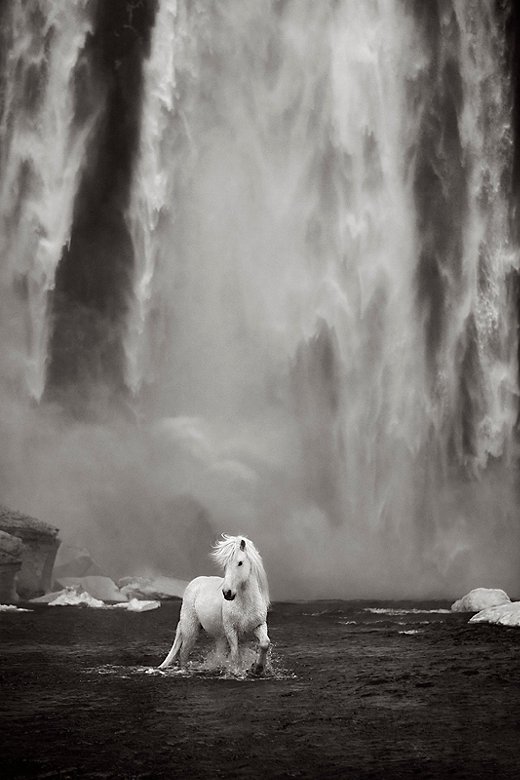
(252, 592)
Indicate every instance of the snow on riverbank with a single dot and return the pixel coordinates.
(73, 596)
(501, 615)
(479, 599)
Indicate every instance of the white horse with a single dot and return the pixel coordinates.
(226, 608)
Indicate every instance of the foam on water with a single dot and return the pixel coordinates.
(394, 611)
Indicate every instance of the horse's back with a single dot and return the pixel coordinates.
(203, 595)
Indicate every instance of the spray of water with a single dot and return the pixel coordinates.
(320, 338)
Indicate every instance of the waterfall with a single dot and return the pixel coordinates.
(42, 150)
(306, 281)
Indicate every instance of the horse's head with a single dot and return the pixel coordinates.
(237, 571)
(241, 561)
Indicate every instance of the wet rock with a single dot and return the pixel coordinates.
(480, 598)
(39, 545)
(156, 588)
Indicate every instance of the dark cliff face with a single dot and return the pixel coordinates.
(93, 279)
(28, 547)
(11, 553)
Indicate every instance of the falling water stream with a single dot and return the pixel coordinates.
(258, 274)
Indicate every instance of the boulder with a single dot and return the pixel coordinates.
(502, 614)
(10, 564)
(102, 588)
(155, 588)
(39, 547)
(480, 598)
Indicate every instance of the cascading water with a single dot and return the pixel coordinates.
(42, 147)
(315, 302)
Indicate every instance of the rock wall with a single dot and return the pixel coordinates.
(28, 548)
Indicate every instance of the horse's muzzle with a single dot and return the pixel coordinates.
(228, 595)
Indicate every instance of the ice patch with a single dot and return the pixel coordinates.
(502, 615)
(135, 605)
(72, 597)
(12, 608)
(75, 596)
(480, 598)
(100, 588)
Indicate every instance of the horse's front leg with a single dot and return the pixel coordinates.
(263, 640)
(234, 652)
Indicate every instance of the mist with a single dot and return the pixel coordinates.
(259, 274)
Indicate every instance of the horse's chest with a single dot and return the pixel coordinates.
(245, 618)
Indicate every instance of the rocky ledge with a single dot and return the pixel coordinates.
(27, 551)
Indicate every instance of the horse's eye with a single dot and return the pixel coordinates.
(240, 563)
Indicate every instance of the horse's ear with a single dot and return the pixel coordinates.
(243, 544)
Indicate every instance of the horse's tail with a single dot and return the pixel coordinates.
(176, 648)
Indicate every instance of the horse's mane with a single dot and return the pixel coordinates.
(226, 548)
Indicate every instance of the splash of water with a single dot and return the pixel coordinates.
(320, 327)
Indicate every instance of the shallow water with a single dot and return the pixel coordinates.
(354, 690)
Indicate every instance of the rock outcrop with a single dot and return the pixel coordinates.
(27, 557)
(10, 564)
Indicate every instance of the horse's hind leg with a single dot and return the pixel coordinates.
(175, 649)
(190, 633)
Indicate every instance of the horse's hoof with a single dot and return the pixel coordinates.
(256, 670)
